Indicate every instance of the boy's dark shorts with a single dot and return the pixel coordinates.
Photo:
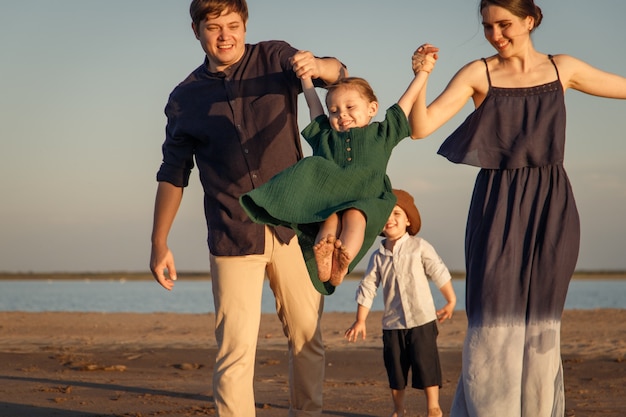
(414, 349)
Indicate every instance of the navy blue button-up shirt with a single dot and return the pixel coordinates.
(241, 127)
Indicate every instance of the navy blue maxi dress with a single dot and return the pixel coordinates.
(521, 248)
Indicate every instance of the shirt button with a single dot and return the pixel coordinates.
(254, 176)
(349, 159)
(347, 140)
(245, 150)
(348, 149)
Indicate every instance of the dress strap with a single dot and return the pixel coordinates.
(487, 70)
(555, 67)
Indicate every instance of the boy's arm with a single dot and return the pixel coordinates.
(312, 99)
(358, 327)
(448, 293)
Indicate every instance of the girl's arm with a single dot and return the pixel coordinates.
(425, 120)
(312, 99)
(410, 96)
(469, 82)
(423, 63)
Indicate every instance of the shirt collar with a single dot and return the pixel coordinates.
(399, 243)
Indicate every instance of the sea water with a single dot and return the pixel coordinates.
(194, 296)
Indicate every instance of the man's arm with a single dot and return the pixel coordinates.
(306, 65)
(167, 202)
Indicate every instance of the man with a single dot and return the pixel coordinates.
(237, 115)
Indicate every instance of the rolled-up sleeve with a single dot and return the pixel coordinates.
(434, 267)
(178, 150)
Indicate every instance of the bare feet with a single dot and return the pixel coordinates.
(323, 251)
(435, 412)
(398, 414)
(340, 265)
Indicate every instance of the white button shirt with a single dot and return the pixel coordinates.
(403, 274)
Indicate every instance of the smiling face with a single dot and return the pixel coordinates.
(348, 108)
(396, 225)
(507, 33)
(223, 39)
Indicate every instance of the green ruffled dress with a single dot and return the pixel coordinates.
(346, 170)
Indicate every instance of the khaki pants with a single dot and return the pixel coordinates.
(237, 286)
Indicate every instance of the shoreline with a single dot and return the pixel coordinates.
(206, 276)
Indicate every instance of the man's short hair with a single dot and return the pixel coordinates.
(200, 9)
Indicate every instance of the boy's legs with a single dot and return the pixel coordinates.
(299, 306)
(397, 367)
(432, 401)
(425, 365)
(397, 395)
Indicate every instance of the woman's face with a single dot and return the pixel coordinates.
(507, 33)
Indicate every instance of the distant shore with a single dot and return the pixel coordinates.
(138, 276)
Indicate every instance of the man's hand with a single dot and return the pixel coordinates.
(162, 267)
(305, 65)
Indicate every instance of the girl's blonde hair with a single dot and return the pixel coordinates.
(356, 83)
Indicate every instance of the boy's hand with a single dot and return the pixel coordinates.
(353, 331)
(445, 313)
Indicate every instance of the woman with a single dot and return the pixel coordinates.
(523, 231)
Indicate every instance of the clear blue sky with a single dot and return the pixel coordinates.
(83, 85)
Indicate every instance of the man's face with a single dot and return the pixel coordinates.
(223, 39)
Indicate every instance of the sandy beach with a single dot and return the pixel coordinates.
(139, 365)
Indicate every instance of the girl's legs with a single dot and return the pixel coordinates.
(325, 246)
(432, 401)
(398, 402)
(348, 245)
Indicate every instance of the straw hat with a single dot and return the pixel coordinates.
(406, 203)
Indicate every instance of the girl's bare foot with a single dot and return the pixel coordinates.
(323, 251)
(341, 262)
(435, 412)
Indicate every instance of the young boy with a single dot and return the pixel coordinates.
(402, 266)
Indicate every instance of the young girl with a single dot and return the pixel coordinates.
(338, 199)
(523, 228)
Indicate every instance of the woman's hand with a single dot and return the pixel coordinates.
(424, 58)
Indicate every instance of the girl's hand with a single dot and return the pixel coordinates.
(424, 58)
